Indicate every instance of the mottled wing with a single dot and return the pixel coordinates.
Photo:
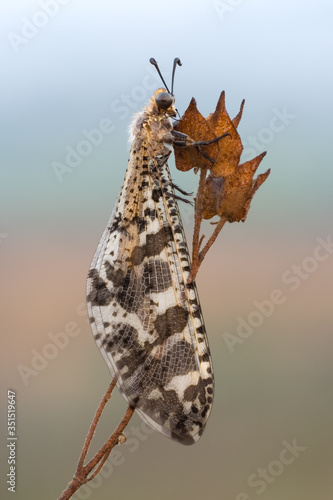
(146, 320)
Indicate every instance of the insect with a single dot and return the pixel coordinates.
(144, 310)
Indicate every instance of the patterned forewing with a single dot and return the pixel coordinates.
(145, 318)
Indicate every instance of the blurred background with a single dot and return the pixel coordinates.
(73, 75)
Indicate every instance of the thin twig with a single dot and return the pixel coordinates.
(94, 423)
(212, 238)
(82, 472)
(197, 254)
(112, 441)
(197, 224)
(100, 466)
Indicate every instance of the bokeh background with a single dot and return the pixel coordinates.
(71, 67)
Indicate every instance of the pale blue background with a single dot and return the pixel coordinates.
(277, 385)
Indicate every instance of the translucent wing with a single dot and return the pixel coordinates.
(145, 318)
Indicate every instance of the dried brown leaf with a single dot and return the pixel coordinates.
(193, 124)
(230, 197)
(230, 148)
(238, 117)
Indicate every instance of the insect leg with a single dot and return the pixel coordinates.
(181, 190)
(181, 140)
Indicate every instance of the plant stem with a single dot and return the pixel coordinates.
(94, 423)
(197, 225)
(82, 471)
(212, 238)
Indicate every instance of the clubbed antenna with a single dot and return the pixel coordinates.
(175, 62)
(154, 63)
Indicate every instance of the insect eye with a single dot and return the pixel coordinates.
(164, 100)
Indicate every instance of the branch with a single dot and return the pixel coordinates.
(197, 255)
(82, 471)
(197, 240)
(211, 240)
